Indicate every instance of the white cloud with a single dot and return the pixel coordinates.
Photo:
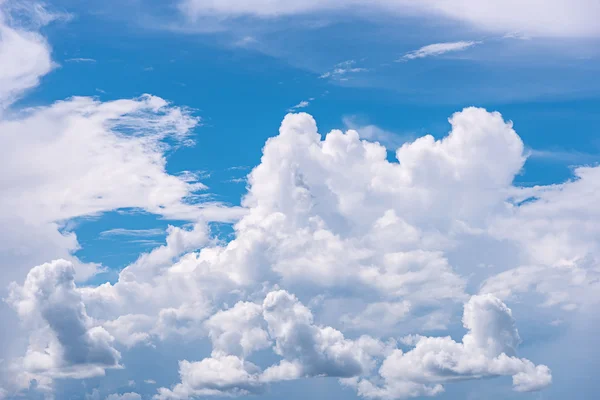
(341, 71)
(237, 331)
(487, 350)
(81, 60)
(306, 349)
(556, 18)
(321, 215)
(437, 49)
(302, 104)
(65, 341)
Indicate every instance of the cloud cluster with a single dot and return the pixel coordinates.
(65, 342)
(334, 215)
(307, 350)
(337, 252)
(487, 350)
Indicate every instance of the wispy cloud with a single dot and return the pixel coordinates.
(238, 180)
(341, 70)
(437, 49)
(238, 168)
(80, 60)
(245, 41)
(302, 104)
(132, 232)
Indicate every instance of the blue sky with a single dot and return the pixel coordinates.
(167, 236)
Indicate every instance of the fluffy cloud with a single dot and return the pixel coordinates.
(487, 350)
(306, 350)
(330, 219)
(314, 350)
(65, 341)
(238, 330)
(220, 376)
(550, 18)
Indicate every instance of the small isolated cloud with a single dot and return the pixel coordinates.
(302, 104)
(342, 70)
(132, 232)
(150, 381)
(437, 49)
(80, 60)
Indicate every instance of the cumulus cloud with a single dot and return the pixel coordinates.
(488, 349)
(306, 350)
(322, 215)
(437, 49)
(334, 214)
(313, 349)
(225, 375)
(556, 18)
(65, 341)
(238, 331)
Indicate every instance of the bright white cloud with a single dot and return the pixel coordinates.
(334, 215)
(541, 18)
(487, 350)
(220, 376)
(238, 330)
(437, 49)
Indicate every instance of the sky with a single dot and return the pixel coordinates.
(268, 199)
